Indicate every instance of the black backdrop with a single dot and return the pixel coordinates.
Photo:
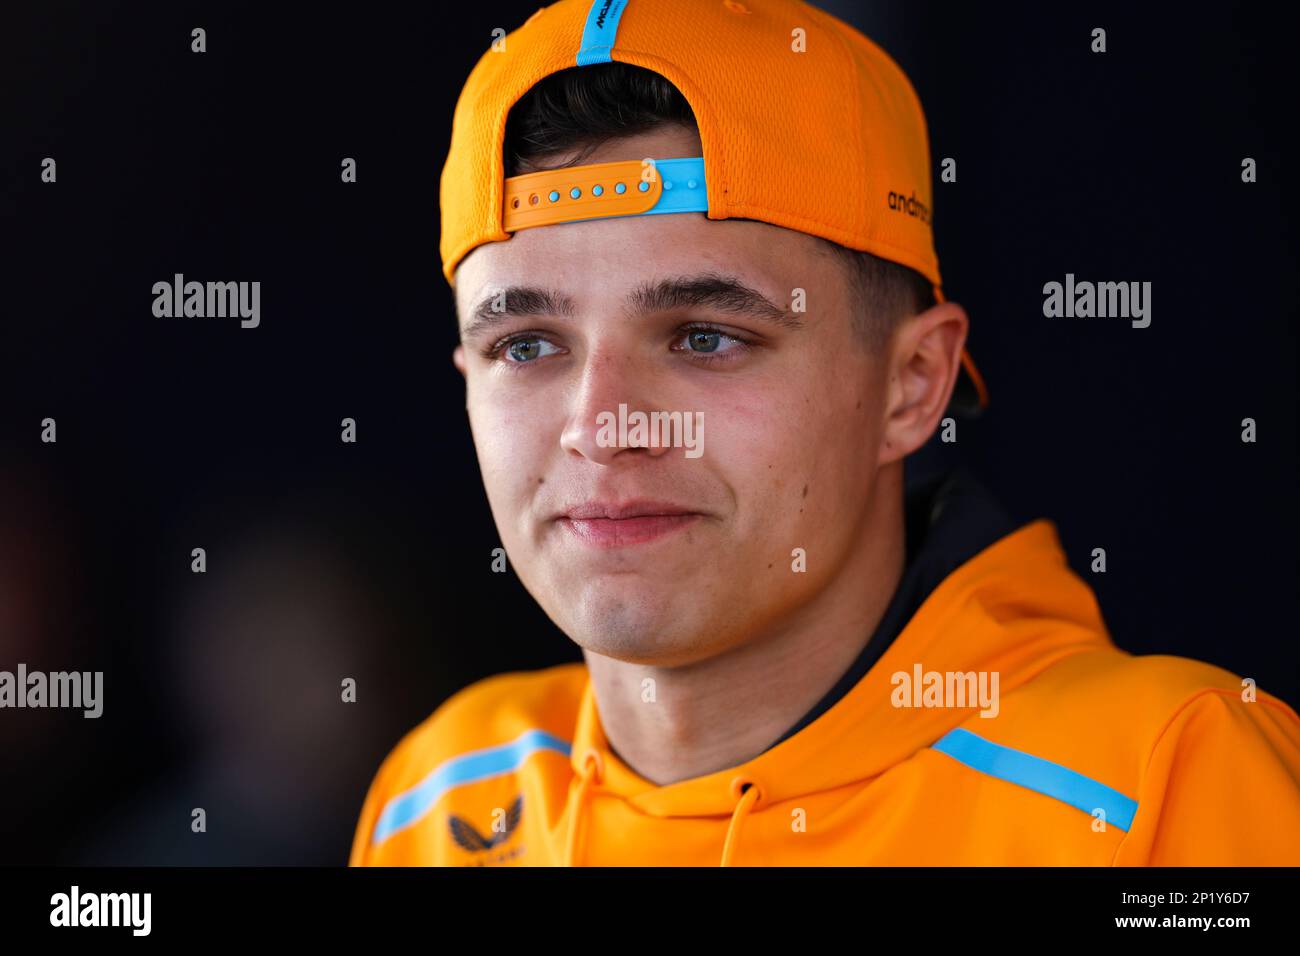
(371, 560)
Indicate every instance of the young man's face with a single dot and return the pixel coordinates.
(792, 424)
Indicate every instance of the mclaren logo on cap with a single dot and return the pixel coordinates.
(598, 33)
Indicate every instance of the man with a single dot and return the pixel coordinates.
(722, 211)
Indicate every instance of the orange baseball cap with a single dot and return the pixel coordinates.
(804, 123)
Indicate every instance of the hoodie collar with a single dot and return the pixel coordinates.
(1013, 607)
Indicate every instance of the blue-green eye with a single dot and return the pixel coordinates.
(706, 342)
(703, 341)
(527, 349)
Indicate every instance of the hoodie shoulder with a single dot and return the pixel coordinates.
(1110, 690)
(1109, 709)
(495, 719)
(1142, 686)
(1208, 764)
(496, 710)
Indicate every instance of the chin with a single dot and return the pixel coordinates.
(649, 650)
(641, 630)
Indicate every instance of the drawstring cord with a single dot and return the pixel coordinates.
(748, 797)
(591, 775)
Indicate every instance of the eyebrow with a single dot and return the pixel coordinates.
(722, 293)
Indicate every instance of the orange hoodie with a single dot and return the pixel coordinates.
(1085, 755)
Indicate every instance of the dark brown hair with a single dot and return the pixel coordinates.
(577, 110)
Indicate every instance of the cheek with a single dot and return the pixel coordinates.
(764, 449)
(797, 453)
(512, 445)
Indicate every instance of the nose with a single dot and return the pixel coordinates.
(610, 378)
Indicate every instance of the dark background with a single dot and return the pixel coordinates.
(371, 560)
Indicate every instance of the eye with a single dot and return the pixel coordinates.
(521, 349)
(706, 342)
(702, 340)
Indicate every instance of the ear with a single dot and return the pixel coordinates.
(458, 358)
(923, 363)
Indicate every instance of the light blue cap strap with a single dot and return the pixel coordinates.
(684, 189)
(599, 30)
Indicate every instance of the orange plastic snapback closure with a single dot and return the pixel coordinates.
(579, 192)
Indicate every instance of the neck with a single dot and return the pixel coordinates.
(725, 710)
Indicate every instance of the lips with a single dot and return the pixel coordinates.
(636, 508)
(620, 524)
